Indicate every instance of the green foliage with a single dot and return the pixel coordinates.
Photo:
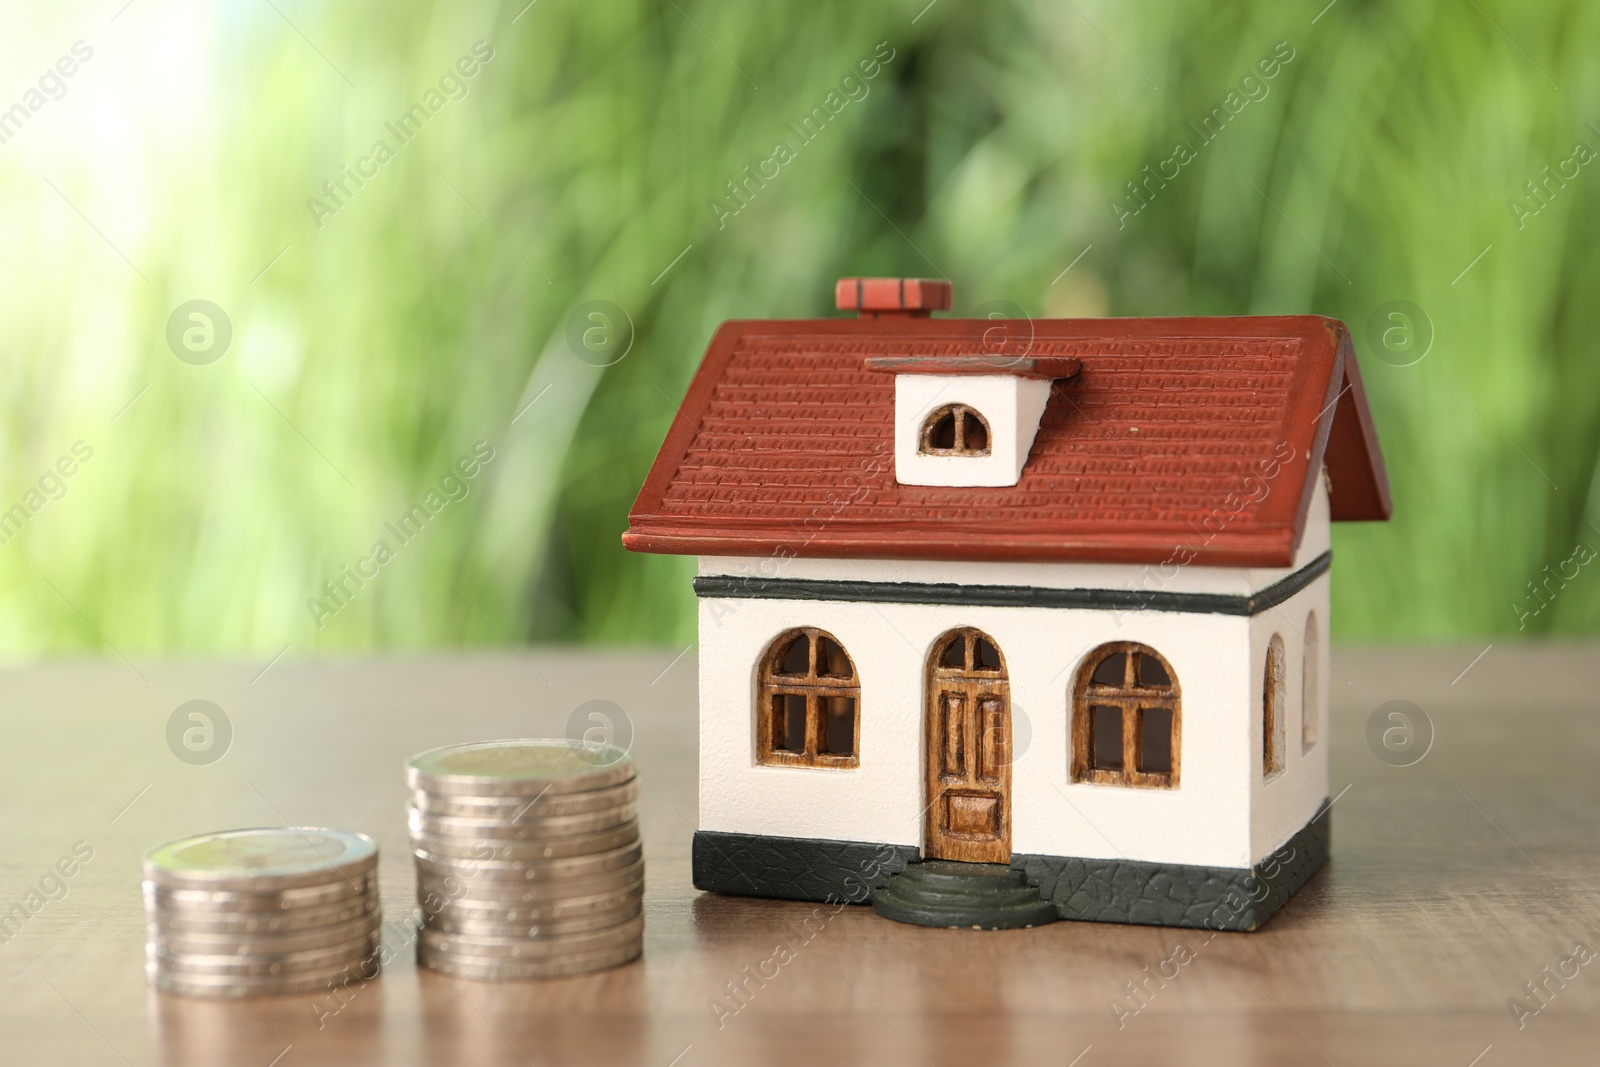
(586, 161)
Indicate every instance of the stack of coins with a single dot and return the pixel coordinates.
(528, 858)
(275, 910)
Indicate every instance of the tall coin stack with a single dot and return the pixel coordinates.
(276, 910)
(528, 858)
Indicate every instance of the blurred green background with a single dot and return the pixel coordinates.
(378, 338)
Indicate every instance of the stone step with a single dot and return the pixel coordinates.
(946, 896)
(987, 896)
(975, 916)
(1016, 896)
(973, 876)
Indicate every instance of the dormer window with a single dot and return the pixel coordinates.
(954, 430)
(940, 437)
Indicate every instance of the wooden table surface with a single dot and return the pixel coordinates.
(1453, 883)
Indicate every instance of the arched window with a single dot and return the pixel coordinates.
(955, 430)
(1127, 718)
(1272, 686)
(808, 702)
(1310, 686)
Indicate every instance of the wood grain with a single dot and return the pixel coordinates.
(967, 732)
(1453, 882)
(816, 685)
(1132, 697)
(1273, 698)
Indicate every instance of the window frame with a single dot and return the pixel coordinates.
(1274, 682)
(1129, 697)
(961, 412)
(1310, 686)
(773, 683)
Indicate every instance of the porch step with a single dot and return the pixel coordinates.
(985, 896)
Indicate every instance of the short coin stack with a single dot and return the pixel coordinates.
(528, 858)
(275, 910)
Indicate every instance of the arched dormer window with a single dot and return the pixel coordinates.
(954, 430)
(808, 699)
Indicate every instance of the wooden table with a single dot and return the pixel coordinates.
(1453, 882)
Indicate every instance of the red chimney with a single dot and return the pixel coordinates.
(874, 298)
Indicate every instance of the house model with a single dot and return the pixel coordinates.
(1009, 621)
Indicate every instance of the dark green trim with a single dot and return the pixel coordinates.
(794, 868)
(728, 586)
(1172, 894)
(1094, 890)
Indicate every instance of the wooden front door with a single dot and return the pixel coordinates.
(968, 748)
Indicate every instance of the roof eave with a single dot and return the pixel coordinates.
(1358, 480)
(1269, 547)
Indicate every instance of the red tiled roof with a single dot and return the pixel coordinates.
(1191, 438)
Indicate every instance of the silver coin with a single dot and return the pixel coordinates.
(521, 767)
(264, 859)
(462, 909)
(515, 807)
(311, 960)
(469, 946)
(289, 963)
(210, 943)
(226, 901)
(516, 970)
(569, 867)
(577, 924)
(533, 893)
(231, 986)
(260, 922)
(526, 850)
(522, 829)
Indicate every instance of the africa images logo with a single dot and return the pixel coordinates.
(52, 85)
(339, 592)
(1252, 88)
(742, 190)
(453, 85)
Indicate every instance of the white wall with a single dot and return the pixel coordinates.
(1222, 814)
(1283, 804)
(1205, 821)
